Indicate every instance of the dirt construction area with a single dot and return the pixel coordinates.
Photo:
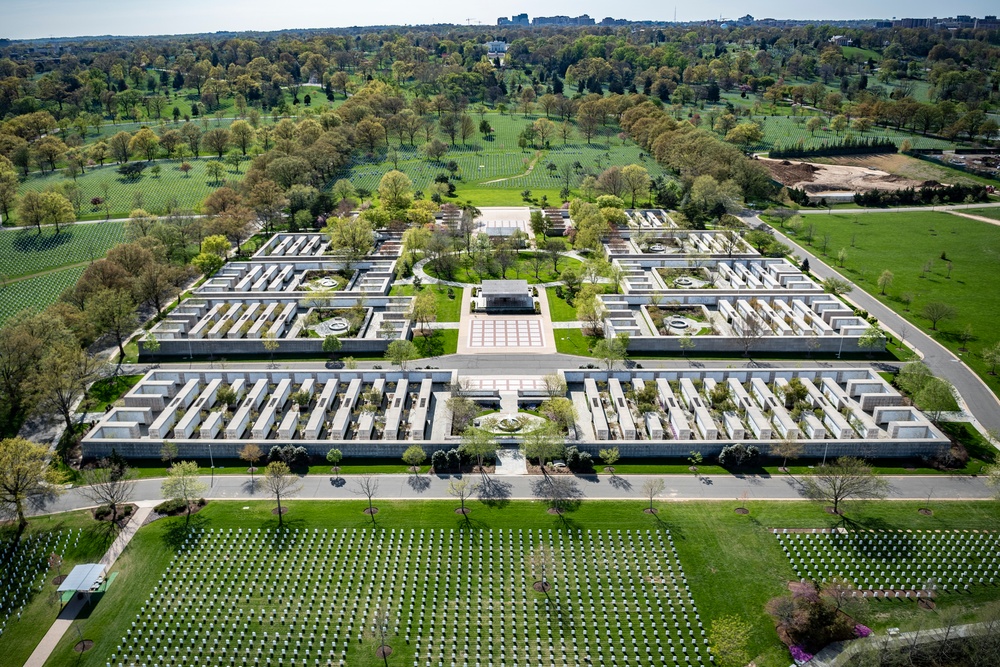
(831, 179)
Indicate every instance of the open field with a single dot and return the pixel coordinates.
(787, 131)
(172, 189)
(905, 166)
(818, 179)
(37, 292)
(904, 243)
(732, 565)
(24, 251)
(448, 307)
(521, 269)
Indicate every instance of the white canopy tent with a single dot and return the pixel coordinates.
(83, 579)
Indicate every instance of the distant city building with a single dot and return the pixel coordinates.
(951, 23)
(563, 20)
(496, 47)
(519, 19)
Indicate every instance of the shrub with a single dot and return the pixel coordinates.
(738, 455)
(439, 460)
(171, 506)
(454, 459)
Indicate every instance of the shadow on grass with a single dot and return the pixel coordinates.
(181, 529)
(494, 493)
(430, 346)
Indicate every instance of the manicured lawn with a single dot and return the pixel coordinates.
(21, 636)
(572, 341)
(24, 251)
(993, 213)
(441, 342)
(153, 468)
(105, 392)
(449, 308)
(904, 243)
(733, 563)
(559, 310)
(522, 269)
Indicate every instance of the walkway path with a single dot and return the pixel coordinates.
(511, 462)
(591, 487)
(980, 218)
(66, 617)
(981, 401)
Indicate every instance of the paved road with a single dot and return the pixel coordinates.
(528, 487)
(981, 401)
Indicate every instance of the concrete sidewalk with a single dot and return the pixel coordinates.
(68, 614)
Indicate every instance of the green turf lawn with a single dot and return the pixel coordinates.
(993, 213)
(154, 468)
(441, 342)
(448, 308)
(152, 193)
(522, 269)
(105, 392)
(26, 251)
(572, 341)
(903, 243)
(733, 563)
(559, 310)
(35, 293)
(21, 636)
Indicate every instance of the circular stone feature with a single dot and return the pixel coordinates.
(683, 281)
(509, 424)
(657, 247)
(678, 323)
(335, 326)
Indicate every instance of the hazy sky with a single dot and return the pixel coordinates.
(62, 18)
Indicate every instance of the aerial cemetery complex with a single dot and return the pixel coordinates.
(280, 387)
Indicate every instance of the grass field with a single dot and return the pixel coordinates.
(786, 131)
(904, 243)
(440, 342)
(448, 308)
(37, 292)
(993, 213)
(171, 189)
(732, 564)
(559, 310)
(25, 251)
(20, 636)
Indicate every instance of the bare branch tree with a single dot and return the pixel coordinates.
(109, 485)
(368, 487)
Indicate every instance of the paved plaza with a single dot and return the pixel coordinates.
(506, 333)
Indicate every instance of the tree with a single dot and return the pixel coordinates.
(543, 443)
(434, 149)
(992, 475)
(25, 473)
(62, 378)
(846, 478)
(479, 444)
(424, 308)
(414, 456)
(813, 124)
(108, 485)
(463, 410)
(144, 143)
(271, 344)
(368, 487)
(686, 342)
(216, 170)
(401, 352)
(837, 286)
(651, 488)
(461, 489)
(113, 312)
(637, 181)
(251, 453)
(182, 484)
(9, 184)
(787, 448)
(351, 239)
(935, 397)
(242, 135)
(612, 350)
(217, 140)
(872, 340)
(745, 135)
(938, 311)
(394, 190)
(991, 355)
(168, 452)
(728, 640)
(279, 481)
(590, 310)
(885, 280)
(44, 208)
(333, 457)
(207, 263)
(332, 345)
(609, 457)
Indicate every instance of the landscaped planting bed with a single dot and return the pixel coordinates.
(36, 293)
(25, 251)
(499, 597)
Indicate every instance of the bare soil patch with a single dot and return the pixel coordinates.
(542, 586)
(742, 510)
(383, 651)
(462, 510)
(83, 645)
(829, 178)
(925, 511)
(650, 510)
(284, 510)
(370, 511)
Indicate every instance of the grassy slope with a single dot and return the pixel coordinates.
(732, 562)
(903, 243)
(25, 251)
(37, 292)
(448, 309)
